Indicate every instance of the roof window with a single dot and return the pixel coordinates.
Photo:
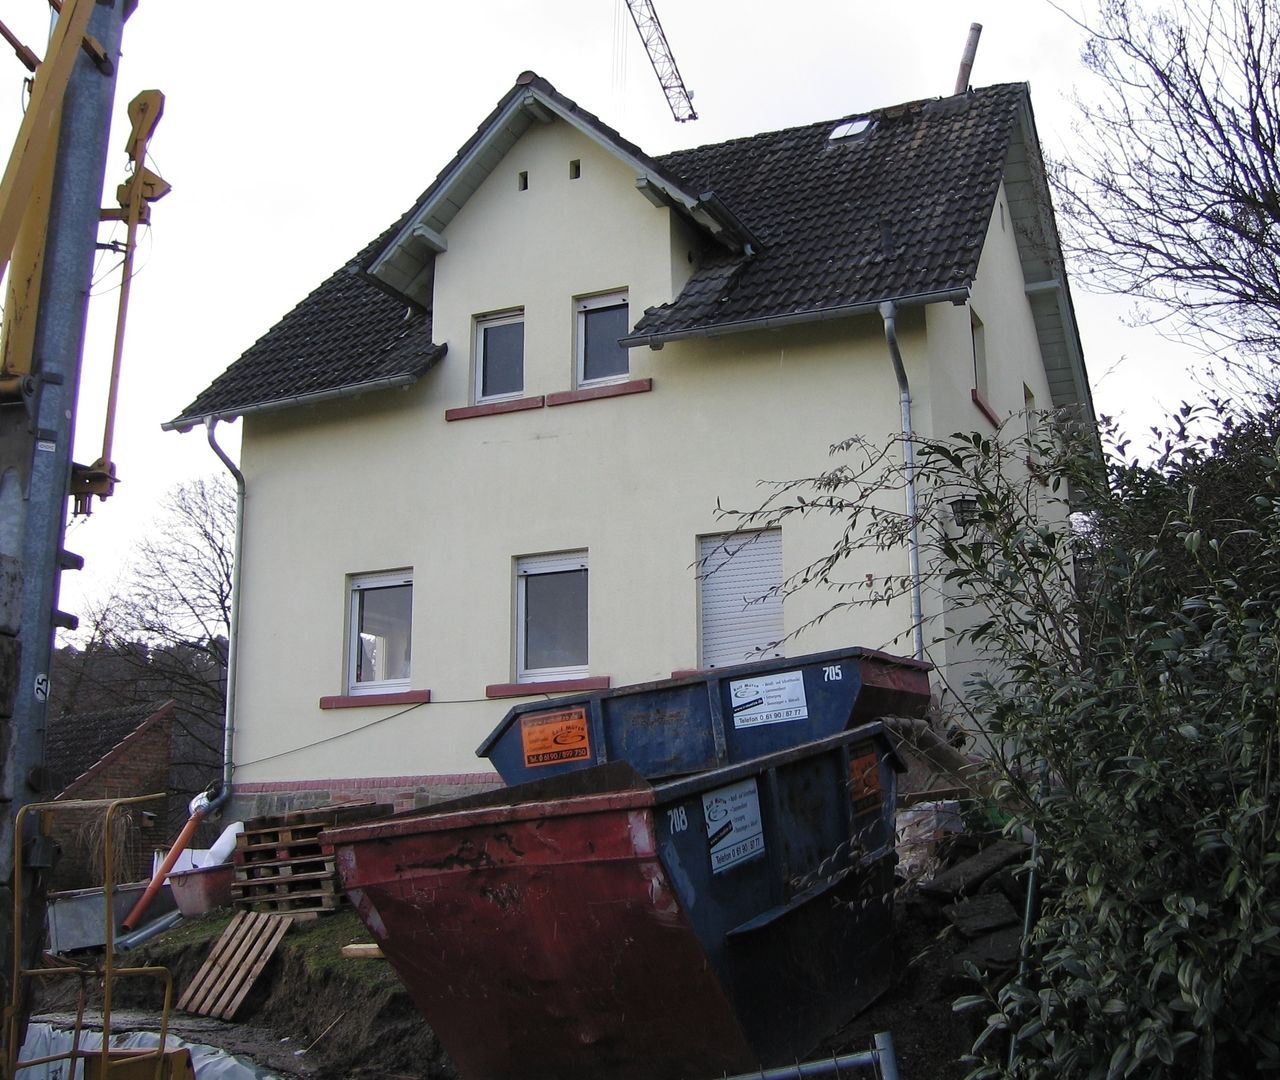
(857, 128)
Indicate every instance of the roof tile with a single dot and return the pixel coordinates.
(900, 211)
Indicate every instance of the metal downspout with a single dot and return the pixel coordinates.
(889, 313)
(233, 644)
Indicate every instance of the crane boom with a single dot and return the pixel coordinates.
(679, 97)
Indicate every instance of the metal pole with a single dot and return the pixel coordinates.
(880, 1059)
(39, 435)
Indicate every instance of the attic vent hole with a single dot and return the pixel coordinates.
(857, 128)
(575, 169)
(522, 181)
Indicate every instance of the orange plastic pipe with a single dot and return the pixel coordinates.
(149, 893)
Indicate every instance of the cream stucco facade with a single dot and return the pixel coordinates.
(385, 482)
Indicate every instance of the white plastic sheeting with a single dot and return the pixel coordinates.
(211, 1063)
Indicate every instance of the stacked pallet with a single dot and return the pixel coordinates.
(281, 866)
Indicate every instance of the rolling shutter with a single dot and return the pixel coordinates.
(741, 609)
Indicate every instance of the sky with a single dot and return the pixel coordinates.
(293, 133)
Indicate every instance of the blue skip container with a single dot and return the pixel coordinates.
(715, 718)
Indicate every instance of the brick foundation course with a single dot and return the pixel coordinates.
(264, 799)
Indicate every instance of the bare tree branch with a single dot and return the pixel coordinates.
(1173, 193)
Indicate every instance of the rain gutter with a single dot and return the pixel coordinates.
(391, 382)
(777, 322)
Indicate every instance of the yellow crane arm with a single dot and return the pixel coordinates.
(40, 120)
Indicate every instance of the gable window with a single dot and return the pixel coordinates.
(740, 597)
(979, 335)
(551, 617)
(601, 321)
(380, 631)
(499, 353)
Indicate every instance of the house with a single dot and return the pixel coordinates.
(483, 459)
(109, 754)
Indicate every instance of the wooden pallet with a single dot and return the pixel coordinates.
(234, 964)
(325, 816)
(282, 866)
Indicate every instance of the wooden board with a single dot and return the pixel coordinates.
(234, 964)
(138, 1065)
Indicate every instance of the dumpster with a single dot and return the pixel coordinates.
(598, 926)
(718, 717)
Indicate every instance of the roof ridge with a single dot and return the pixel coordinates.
(902, 107)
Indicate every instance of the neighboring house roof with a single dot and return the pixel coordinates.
(76, 742)
(800, 227)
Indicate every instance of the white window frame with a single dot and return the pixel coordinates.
(482, 323)
(528, 566)
(356, 584)
(582, 305)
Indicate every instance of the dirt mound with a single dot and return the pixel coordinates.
(350, 1018)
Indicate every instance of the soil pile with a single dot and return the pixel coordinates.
(349, 1018)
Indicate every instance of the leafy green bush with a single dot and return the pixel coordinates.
(1126, 617)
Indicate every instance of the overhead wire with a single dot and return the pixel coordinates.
(371, 724)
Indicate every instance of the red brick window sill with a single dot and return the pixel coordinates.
(355, 701)
(595, 393)
(984, 407)
(536, 689)
(494, 408)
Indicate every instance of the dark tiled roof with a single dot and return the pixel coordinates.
(74, 743)
(348, 333)
(900, 211)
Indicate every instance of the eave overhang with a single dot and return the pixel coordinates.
(1044, 270)
(398, 381)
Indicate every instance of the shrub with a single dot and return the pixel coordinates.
(1126, 618)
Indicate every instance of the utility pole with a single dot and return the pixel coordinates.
(37, 425)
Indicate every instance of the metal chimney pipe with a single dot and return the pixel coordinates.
(966, 61)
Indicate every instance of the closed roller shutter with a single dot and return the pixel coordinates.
(738, 577)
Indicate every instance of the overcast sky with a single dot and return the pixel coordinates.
(294, 132)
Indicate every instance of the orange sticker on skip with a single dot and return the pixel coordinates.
(864, 777)
(552, 737)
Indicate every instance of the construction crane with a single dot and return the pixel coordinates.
(679, 97)
(49, 214)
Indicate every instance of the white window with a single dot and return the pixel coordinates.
(380, 632)
(601, 320)
(551, 617)
(740, 597)
(499, 353)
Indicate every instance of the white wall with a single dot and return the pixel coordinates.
(384, 482)
(998, 298)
